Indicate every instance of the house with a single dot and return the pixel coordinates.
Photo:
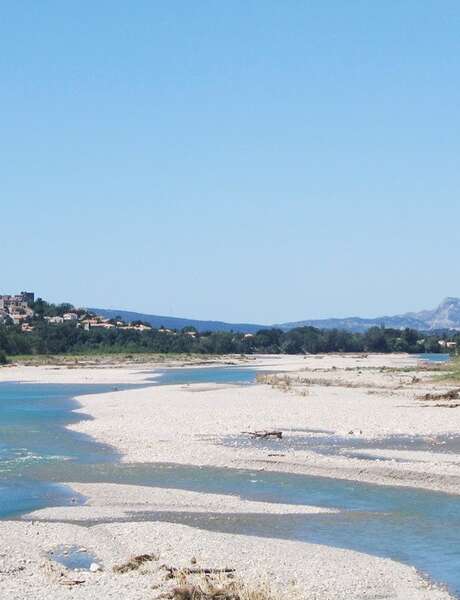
(70, 316)
(18, 317)
(449, 345)
(88, 324)
(142, 327)
(55, 320)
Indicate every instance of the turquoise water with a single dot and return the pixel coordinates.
(438, 358)
(233, 375)
(38, 455)
(418, 527)
(33, 434)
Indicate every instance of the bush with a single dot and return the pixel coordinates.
(3, 359)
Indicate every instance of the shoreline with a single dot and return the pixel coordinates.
(131, 435)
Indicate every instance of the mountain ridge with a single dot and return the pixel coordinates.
(445, 316)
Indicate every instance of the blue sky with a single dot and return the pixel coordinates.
(243, 160)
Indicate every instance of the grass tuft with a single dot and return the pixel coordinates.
(219, 588)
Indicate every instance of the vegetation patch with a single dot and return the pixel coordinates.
(449, 395)
(301, 385)
(451, 371)
(107, 359)
(218, 587)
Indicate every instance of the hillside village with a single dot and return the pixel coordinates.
(19, 310)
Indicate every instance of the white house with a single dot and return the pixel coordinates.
(70, 316)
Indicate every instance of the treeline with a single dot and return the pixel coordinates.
(69, 338)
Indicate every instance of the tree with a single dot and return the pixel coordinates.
(375, 340)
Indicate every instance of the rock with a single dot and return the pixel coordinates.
(95, 568)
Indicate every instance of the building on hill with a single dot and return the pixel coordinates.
(22, 300)
(70, 316)
(448, 345)
(17, 307)
(28, 297)
(55, 320)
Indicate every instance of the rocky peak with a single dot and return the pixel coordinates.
(447, 315)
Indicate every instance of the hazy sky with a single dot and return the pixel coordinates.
(242, 160)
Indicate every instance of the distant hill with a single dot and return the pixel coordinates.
(445, 316)
(357, 324)
(176, 322)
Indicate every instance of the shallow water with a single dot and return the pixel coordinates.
(431, 357)
(329, 444)
(73, 557)
(33, 434)
(189, 375)
(37, 455)
(414, 526)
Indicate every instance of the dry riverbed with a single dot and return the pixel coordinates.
(354, 397)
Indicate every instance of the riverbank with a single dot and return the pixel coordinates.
(347, 403)
(201, 424)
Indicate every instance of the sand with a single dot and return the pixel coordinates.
(201, 425)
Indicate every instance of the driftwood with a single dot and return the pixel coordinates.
(172, 571)
(12, 571)
(449, 395)
(134, 563)
(264, 434)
